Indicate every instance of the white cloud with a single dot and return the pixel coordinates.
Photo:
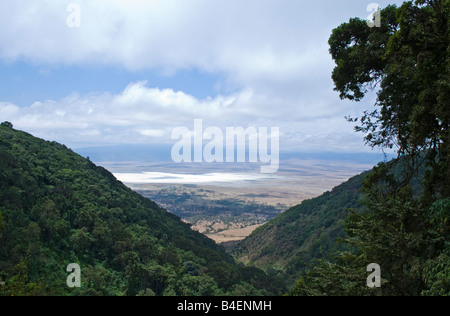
(274, 53)
(251, 41)
(156, 133)
(8, 109)
(133, 115)
(143, 115)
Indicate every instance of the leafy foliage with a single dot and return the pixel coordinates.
(58, 208)
(301, 235)
(405, 230)
(408, 59)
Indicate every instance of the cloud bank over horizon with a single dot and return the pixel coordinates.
(265, 63)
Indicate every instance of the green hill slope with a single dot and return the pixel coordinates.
(57, 208)
(304, 233)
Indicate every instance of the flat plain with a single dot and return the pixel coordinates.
(226, 202)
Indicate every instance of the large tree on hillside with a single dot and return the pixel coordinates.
(406, 61)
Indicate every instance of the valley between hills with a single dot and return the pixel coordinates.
(228, 212)
(59, 208)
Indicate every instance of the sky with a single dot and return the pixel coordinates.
(110, 72)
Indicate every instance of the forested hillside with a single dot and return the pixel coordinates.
(298, 237)
(58, 208)
(404, 236)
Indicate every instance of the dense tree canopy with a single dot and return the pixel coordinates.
(406, 229)
(407, 60)
(7, 124)
(57, 208)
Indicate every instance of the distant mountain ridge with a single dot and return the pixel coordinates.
(162, 153)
